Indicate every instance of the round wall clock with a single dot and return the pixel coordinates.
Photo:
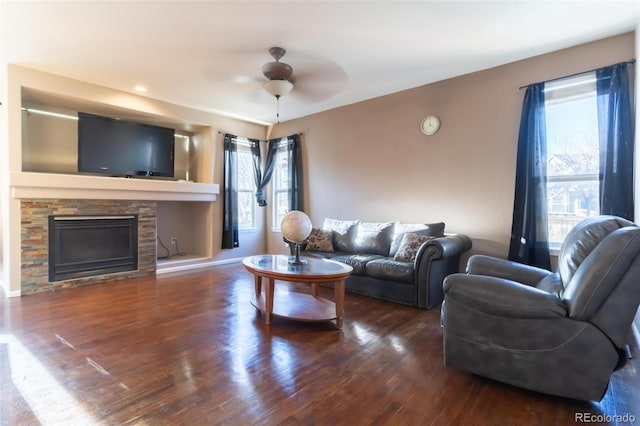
(430, 125)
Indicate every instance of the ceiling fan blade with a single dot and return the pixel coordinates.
(317, 81)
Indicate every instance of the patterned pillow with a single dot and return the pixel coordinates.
(409, 246)
(320, 240)
(436, 229)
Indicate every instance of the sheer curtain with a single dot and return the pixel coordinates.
(529, 233)
(615, 127)
(230, 193)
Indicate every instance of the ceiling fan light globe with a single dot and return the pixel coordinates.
(277, 88)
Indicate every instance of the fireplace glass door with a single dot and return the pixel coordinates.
(81, 246)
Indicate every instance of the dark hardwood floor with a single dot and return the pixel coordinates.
(189, 349)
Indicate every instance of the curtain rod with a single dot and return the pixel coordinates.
(220, 132)
(630, 61)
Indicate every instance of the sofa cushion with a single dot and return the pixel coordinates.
(435, 229)
(319, 254)
(320, 240)
(373, 238)
(409, 246)
(389, 269)
(357, 261)
(343, 233)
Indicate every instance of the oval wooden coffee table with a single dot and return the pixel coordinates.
(293, 305)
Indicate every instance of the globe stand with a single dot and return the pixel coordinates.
(295, 260)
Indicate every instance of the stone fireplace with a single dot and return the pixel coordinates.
(35, 250)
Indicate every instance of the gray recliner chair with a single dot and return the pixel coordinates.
(560, 333)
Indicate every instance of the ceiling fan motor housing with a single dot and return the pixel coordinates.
(277, 70)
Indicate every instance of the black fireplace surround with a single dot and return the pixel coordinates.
(83, 246)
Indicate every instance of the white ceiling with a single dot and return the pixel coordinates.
(208, 54)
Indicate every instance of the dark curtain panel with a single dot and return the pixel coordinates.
(529, 232)
(230, 195)
(254, 145)
(269, 164)
(295, 173)
(615, 127)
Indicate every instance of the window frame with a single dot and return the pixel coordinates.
(569, 90)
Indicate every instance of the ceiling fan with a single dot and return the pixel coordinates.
(278, 76)
(256, 73)
(316, 79)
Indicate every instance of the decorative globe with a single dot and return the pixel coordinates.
(295, 226)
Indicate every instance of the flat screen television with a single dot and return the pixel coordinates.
(112, 147)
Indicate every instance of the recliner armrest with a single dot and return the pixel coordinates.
(502, 297)
(479, 264)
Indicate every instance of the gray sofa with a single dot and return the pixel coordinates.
(398, 262)
(561, 333)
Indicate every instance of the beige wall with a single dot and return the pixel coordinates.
(371, 162)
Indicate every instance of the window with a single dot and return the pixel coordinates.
(573, 154)
(246, 187)
(280, 185)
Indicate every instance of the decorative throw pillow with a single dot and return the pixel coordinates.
(320, 240)
(435, 229)
(409, 246)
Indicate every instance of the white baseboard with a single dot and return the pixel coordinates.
(190, 266)
(14, 293)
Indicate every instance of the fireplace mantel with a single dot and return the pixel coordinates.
(26, 185)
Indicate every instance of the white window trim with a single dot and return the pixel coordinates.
(244, 142)
(275, 225)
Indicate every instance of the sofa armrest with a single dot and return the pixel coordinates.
(436, 259)
(479, 264)
(501, 297)
(448, 246)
